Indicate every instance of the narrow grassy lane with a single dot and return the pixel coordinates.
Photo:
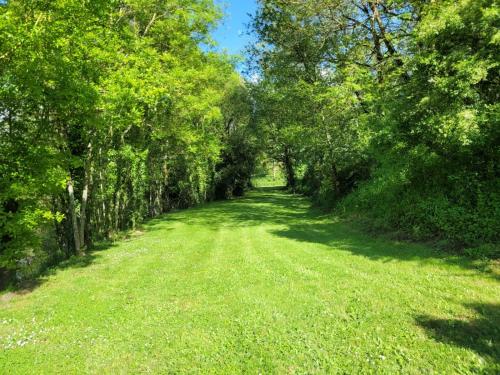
(262, 284)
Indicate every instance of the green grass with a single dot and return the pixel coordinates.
(262, 284)
(269, 180)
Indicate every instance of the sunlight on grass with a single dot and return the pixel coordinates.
(262, 284)
(277, 180)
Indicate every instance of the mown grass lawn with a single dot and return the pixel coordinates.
(262, 284)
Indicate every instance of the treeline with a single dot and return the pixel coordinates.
(110, 113)
(388, 110)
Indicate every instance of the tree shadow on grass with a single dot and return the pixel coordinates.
(237, 212)
(345, 237)
(304, 223)
(482, 334)
(265, 206)
(295, 219)
(28, 286)
(338, 235)
(81, 261)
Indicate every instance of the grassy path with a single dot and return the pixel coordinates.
(261, 284)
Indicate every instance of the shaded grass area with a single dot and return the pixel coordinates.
(262, 284)
(479, 334)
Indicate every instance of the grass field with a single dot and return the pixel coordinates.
(262, 284)
(269, 180)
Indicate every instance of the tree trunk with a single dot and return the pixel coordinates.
(74, 220)
(385, 38)
(117, 210)
(377, 46)
(83, 211)
(290, 173)
(88, 171)
(388, 44)
(335, 181)
(103, 218)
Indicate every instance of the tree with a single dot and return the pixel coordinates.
(110, 113)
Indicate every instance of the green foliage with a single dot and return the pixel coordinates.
(110, 113)
(234, 172)
(444, 120)
(268, 173)
(393, 106)
(235, 167)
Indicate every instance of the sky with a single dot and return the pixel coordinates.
(231, 35)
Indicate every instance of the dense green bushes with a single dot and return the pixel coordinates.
(443, 120)
(397, 117)
(110, 113)
(234, 172)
